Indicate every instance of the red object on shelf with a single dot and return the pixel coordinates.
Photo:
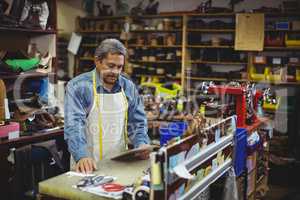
(241, 105)
(240, 94)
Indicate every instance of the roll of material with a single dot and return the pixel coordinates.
(155, 171)
(141, 193)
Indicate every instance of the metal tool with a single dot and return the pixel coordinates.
(95, 181)
(113, 187)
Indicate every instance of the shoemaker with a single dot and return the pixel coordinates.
(103, 111)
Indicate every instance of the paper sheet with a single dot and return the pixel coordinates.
(74, 43)
(182, 172)
(71, 173)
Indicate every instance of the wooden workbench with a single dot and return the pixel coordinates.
(60, 187)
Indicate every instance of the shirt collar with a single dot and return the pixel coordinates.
(99, 84)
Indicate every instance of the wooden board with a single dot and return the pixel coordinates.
(249, 32)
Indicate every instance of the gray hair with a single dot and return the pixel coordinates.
(112, 46)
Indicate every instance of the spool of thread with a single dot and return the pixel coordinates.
(141, 193)
(155, 172)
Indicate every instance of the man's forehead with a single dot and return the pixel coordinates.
(114, 58)
(113, 55)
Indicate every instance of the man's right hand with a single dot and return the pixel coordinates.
(86, 165)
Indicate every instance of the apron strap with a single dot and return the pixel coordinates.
(126, 120)
(100, 117)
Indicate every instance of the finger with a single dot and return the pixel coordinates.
(94, 165)
(86, 167)
(81, 167)
(90, 164)
(77, 168)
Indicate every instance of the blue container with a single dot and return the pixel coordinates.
(240, 151)
(170, 130)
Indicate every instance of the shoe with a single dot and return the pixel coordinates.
(46, 59)
(45, 64)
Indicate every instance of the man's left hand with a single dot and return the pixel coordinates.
(144, 155)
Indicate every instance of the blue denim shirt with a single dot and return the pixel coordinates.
(79, 101)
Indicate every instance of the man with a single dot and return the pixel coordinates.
(103, 110)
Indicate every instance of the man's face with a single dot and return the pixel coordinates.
(110, 67)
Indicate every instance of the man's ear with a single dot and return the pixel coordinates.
(97, 60)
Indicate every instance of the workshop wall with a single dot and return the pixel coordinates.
(67, 11)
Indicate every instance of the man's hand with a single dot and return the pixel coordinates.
(86, 165)
(144, 155)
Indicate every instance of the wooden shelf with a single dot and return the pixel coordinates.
(243, 80)
(216, 62)
(289, 31)
(162, 15)
(158, 61)
(282, 48)
(98, 31)
(214, 79)
(282, 14)
(103, 17)
(156, 46)
(211, 30)
(27, 31)
(87, 58)
(159, 76)
(155, 31)
(275, 83)
(26, 75)
(210, 46)
(211, 15)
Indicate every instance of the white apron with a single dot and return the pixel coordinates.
(110, 112)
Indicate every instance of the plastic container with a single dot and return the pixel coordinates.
(240, 151)
(170, 130)
(258, 76)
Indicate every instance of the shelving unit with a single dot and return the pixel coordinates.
(93, 31)
(18, 39)
(27, 31)
(14, 44)
(205, 26)
(207, 164)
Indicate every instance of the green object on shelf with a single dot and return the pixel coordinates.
(23, 64)
(165, 90)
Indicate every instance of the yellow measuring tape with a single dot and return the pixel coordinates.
(100, 118)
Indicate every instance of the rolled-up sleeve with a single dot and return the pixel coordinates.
(137, 120)
(75, 120)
